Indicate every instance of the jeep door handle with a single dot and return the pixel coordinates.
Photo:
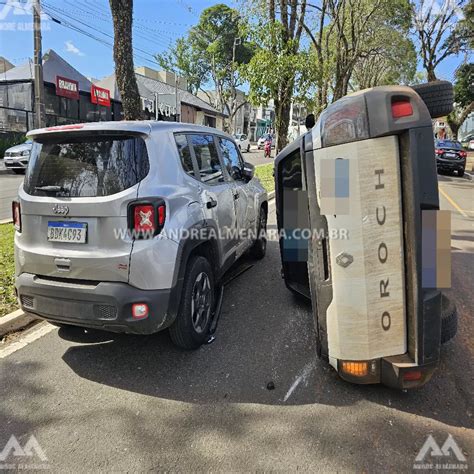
(211, 203)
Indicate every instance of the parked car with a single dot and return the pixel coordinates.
(470, 144)
(242, 142)
(261, 141)
(17, 157)
(130, 226)
(450, 156)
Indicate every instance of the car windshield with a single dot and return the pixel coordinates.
(86, 166)
(449, 144)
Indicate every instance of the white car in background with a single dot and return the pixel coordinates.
(242, 142)
(17, 157)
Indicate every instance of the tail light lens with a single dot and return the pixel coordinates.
(357, 369)
(146, 219)
(463, 154)
(439, 152)
(402, 108)
(16, 214)
(412, 375)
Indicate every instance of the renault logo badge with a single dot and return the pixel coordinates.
(344, 259)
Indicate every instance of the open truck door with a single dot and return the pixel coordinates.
(363, 185)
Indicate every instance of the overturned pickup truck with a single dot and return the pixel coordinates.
(362, 236)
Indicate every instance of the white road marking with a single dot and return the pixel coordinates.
(307, 369)
(30, 336)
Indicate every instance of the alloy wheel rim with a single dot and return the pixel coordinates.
(201, 302)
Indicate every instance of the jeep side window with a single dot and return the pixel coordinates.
(232, 160)
(207, 158)
(184, 153)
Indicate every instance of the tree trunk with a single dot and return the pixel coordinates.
(282, 121)
(430, 71)
(122, 13)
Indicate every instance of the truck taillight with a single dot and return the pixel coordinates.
(146, 219)
(16, 214)
(402, 108)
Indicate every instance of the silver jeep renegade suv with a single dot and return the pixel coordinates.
(130, 226)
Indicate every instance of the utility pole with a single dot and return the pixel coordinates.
(40, 113)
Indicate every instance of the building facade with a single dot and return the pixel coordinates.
(70, 97)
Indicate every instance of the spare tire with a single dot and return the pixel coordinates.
(449, 319)
(438, 97)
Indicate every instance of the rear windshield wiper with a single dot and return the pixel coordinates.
(52, 189)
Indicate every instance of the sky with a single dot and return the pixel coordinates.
(157, 24)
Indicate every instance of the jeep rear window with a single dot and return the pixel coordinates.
(90, 166)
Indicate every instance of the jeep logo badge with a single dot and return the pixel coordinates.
(61, 210)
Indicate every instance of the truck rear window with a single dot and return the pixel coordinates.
(100, 165)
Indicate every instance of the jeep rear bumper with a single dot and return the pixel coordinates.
(101, 305)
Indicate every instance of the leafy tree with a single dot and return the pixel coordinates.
(463, 97)
(438, 33)
(184, 61)
(275, 69)
(122, 14)
(357, 44)
(212, 53)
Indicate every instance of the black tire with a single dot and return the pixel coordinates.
(18, 171)
(438, 97)
(259, 247)
(449, 319)
(186, 333)
(460, 173)
(248, 148)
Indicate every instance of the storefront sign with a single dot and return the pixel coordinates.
(166, 105)
(67, 88)
(100, 96)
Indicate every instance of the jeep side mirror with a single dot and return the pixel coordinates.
(248, 171)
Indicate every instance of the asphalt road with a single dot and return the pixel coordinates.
(122, 403)
(9, 184)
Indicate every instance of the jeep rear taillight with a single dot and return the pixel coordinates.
(16, 214)
(146, 219)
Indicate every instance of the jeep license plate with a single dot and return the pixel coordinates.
(68, 232)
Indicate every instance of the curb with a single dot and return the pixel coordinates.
(6, 221)
(271, 195)
(15, 321)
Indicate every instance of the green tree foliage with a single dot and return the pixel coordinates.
(463, 97)
(277, 68)
(211, 53)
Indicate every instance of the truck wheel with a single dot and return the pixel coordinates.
(259, 247)
(438, 97)
(191, 327)
(449, 319)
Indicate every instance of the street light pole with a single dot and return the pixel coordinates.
(40, 113)
(234, 93)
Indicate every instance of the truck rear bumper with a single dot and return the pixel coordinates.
(399, 372)
(101, 305)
